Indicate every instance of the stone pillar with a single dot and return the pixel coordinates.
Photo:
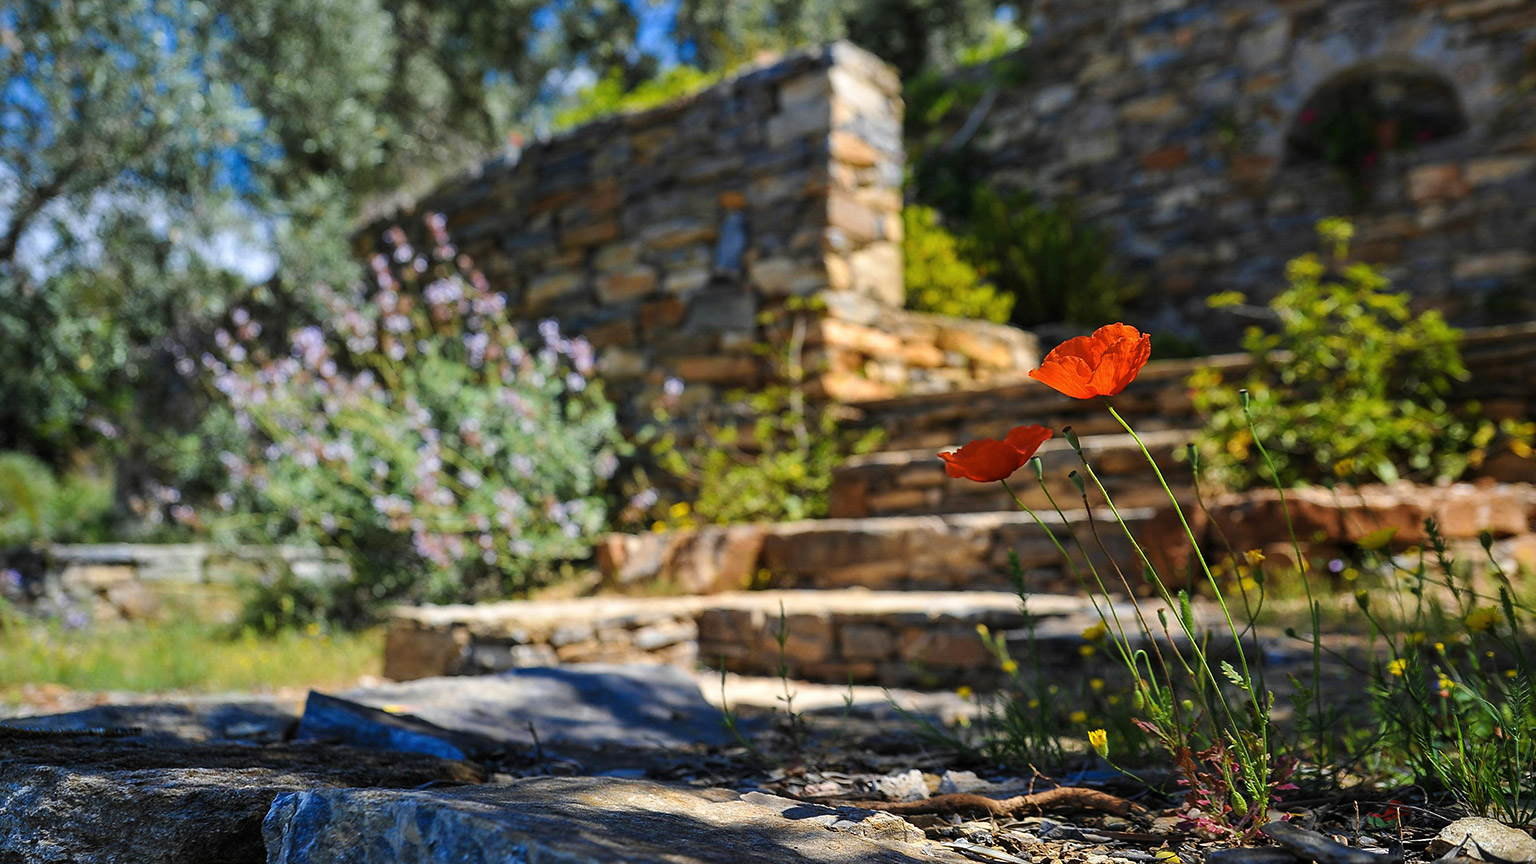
(662, 236)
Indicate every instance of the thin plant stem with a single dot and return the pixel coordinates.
(1306, 580)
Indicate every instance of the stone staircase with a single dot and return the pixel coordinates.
(890, 590)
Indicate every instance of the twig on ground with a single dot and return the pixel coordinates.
(966, 802)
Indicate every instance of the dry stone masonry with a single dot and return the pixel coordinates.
(664, 236)
(1195, 133)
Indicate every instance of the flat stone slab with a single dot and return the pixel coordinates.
(581, 820)
(597, 705)
(247, 721)
(91, 800)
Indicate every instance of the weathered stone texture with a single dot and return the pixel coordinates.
(662, 236)
(1168, 124)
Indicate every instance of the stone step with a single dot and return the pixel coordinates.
(963, 551)
(914, 639)
(1157, 400)
(913, 482)
(921, 639)
(1499, 361)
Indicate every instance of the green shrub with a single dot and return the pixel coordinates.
(1351, 384)
(39, 506)
(769, 455)
(609, 95)
(938, 279)
(417, 432)
(1056, 267)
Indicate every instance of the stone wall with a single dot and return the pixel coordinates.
(1501, 364)
(667, 237)
(1174, 126)
(80, 583)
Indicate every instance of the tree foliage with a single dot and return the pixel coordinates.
(135, 134)
(910, 34)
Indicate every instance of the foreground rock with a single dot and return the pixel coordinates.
(593, 705)
(88, 799)
(1485, 840)
(579, 821)
(251, 722)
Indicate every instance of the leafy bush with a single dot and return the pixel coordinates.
(1056, 267)
(416, 431)
(938, 279)
(37, 505)
(769, 455)
(610, 95)
(1359, 388)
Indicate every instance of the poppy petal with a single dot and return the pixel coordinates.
(1069, 375)
(1027, 439)
(984, 460)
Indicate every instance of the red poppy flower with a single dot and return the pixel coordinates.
(987, 459)
(1097, 365)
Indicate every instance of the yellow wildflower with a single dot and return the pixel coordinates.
(1482, 618)
(1085, 650)
(1096, 684)
(963, 691)
(1397, 667)
(1096, 632)
(1098, 739)
(1254, 556)
(1078, 717)
(1010, 666)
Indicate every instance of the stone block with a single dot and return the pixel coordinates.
(590, 234)
(850, 388)
(616, 256)
(716, 368)
(853, 96)
(860, 222)
(877, 272)
(782, 276)
(680, 282)
(677, 233)
(1151, 109)
(628, 284)
(807, 119)
(546, 289)
(1165, 159)
(1497, 169)
(662, 313)
(1503, 264)
(866, 642)
(864, 340)
(622, 364)
(96, 577)
(620, 332)
(1093, 149)
(412, 652)
(850, 149)
(725, 309)
(958, 648)
(1440, 182)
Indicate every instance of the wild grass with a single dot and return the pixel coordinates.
(178, 655)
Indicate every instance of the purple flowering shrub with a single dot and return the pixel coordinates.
(415, 430)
